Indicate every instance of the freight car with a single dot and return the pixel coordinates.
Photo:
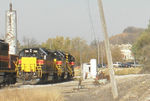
(43, 65)
(7, 65)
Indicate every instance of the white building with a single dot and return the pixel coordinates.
(126, 51)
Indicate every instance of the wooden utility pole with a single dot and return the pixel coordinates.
(81, 68)
(98, 50)
(108, 52)
(102, 52)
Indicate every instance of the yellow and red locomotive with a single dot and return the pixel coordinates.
(44, 65)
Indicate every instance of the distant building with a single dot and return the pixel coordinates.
(126, 51)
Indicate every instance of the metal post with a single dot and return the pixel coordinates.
(108, 52)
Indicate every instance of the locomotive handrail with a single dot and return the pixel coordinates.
(59, 70)
(68, 65)
(39, 69)
(69, 69)
(16, 63)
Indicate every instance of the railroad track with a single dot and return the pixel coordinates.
(31, 85)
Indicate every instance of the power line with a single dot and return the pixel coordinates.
(91, 21)
(93, 30)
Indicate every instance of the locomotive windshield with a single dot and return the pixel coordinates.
(59, 55)
(32, 53)
(71, 58)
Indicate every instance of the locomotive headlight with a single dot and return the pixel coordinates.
(55, 60)
(26, 51)
(30, 50)
(19, 73)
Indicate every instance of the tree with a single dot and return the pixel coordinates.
(141, 48)
(76, 46)
(28, 43)
(79, 48)
(116, 54)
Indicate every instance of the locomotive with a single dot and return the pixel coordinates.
(7, 65)
(44, 65)
(68, 64)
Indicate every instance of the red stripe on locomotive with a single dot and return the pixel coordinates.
(4, 58)
(72, 63)
(59, 62)
(40, 62)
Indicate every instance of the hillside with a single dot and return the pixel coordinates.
(129, 35)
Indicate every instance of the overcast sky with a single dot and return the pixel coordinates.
(42, 19)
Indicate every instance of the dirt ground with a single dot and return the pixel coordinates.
(130, 88)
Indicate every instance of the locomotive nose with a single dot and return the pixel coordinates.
(28, 64)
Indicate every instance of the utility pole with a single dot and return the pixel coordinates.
(108, 52)
(50, 44)
(101, 48)
(81, 68)
(98, 50)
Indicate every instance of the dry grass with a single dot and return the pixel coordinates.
(123, 71)
(127, 71)
(31, 94)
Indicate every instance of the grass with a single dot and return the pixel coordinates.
(123, 71)
(127, 71)
(31, 94)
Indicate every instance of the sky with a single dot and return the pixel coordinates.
(43, 19)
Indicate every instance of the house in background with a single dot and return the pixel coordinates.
(126, 51)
